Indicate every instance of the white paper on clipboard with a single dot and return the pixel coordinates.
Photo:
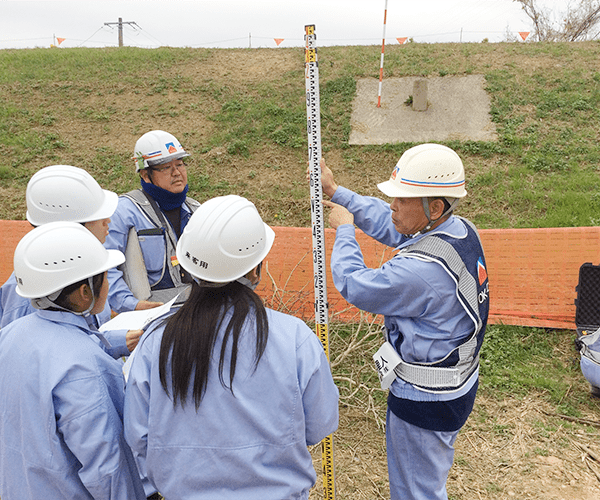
(135, 320)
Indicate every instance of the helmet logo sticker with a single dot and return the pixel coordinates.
(393, 177)
(171, 147)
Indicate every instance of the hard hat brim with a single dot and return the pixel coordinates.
(111, 200)
(115, 258)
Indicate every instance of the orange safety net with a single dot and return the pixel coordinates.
(11, 232)
(533, 272)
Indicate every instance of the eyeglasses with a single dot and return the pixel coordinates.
(170, 168)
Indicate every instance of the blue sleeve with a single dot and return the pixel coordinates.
(120, 297)
(392, 289)
(89, 420)
(137, 399)
(371, 215)
(1, 305)
(319, 393)
(12, 305)
(118, 342)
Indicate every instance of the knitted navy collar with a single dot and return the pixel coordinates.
(165, 199)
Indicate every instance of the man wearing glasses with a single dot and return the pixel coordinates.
(147, 224)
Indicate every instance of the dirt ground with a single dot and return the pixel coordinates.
(509, 449)
(520, 459)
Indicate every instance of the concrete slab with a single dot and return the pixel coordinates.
(459, 109)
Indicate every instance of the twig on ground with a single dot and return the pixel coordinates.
(565, 394)
(587, 450)
(588, 463)
(586, 421)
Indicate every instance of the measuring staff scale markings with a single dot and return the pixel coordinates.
(313, 127)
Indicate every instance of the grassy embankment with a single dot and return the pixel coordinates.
(242, 114)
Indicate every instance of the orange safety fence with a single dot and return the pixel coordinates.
(533, 272)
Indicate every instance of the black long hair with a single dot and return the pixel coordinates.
(190, 335)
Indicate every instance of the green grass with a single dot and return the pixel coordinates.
(543, 171)
(517, 360)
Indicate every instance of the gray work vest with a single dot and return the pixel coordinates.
(153, 213)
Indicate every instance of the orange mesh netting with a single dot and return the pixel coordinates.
(533, 272)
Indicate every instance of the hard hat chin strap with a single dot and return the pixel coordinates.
(426, 201)
(47, 302)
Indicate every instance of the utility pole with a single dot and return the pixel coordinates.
(121, 23)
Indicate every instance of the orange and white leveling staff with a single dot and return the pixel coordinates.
(313, 126)
(382, 50)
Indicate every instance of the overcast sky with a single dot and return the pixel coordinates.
(256, 23)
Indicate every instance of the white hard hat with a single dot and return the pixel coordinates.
(58, 254)
(427, 170)
(65, 193)
(224, 240)
(155, 148)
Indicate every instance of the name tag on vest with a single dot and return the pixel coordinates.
(386, 360)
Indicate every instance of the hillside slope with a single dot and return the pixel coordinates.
(242, 114)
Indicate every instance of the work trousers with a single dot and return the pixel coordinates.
(419, 460)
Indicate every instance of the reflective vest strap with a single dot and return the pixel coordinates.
(433, 377)
(154, 214)
(437, 379)
(433, 248)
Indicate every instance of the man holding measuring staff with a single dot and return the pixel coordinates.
(434, 296)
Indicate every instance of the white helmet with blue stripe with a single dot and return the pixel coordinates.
(427, 171)
(156, 148)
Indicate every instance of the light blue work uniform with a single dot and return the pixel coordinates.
(13, 306)
(153, 246)
(425, 321)
(589, 346)
(61, 404)
(249, 445)
(591, 370)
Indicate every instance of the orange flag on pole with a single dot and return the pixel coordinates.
(278, 40)
(402, 40)
(60, 40)
(524, 34)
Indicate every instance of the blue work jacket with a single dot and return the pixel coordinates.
(13, 306)
(61, 403)
(249, 445)
(417, 298)
(126, 216)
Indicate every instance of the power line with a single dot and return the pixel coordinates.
(101, 27)
(145, 33)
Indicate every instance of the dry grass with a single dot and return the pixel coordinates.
(510, 448)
